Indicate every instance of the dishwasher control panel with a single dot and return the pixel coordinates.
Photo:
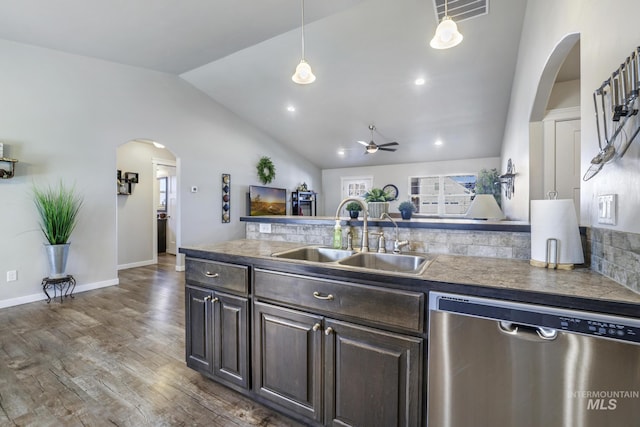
(580, 322)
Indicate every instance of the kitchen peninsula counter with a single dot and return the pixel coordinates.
(508, 279)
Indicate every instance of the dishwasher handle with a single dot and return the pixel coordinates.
(526, 332)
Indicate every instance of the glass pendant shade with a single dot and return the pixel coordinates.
(447, 35)
(303, 74)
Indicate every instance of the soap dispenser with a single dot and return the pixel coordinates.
(337, 235)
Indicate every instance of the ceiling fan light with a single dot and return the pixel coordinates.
(447, 35)
(303, 74)
(372, 149)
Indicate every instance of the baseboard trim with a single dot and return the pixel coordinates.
(41, 296)
(137, 264)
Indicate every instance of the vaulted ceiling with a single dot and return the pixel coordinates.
(366, 55)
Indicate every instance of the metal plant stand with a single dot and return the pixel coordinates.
(66, 285)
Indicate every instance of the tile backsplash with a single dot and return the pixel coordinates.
(616, 254)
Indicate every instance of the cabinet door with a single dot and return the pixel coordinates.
(198, 328)
(230, 339)
(287, 358)
(372, 377)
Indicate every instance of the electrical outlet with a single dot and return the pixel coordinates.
(265, 228)
(12, 276)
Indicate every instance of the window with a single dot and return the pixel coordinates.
(442, 195)
(162, 191)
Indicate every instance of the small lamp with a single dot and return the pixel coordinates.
(484, 206)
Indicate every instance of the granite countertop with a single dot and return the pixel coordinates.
(493, 273)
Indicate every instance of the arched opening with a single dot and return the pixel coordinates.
(147, 222)
(554, 151)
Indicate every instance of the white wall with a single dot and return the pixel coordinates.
(63, 116)
(608, 34)
(398, 175)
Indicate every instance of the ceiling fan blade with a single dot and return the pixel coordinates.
(386, 149)
(362, 142)
(388, 144)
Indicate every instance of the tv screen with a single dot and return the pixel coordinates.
(267, 201)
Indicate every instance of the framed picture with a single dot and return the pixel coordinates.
(131, 177)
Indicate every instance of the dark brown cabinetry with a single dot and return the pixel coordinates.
(331, 371)
(217, 330)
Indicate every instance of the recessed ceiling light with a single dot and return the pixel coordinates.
(438, 142)
(420, 81)
(291, 108)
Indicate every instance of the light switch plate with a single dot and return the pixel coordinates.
(607, 209)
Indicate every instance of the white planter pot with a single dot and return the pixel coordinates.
(57, 256)
(376, 209)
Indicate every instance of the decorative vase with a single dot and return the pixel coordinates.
(57, 256)
(406, 214)
(354, 214)
(376, 209)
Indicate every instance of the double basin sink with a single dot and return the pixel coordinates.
(385, 262)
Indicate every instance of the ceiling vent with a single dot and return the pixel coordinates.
(459, 10)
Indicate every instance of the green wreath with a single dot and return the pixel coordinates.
(266, 170)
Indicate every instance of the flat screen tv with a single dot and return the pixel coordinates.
(267, 201)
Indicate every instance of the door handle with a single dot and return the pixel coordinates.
(526, 332)
(318, 295)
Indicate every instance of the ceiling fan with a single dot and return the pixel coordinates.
(371, 147)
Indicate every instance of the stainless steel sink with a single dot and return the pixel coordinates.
(397, 263)
(314, 253)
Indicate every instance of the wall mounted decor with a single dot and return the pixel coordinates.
(124, 182)
(616, 104)
(266, 170)
(226, 198)
(508, 180)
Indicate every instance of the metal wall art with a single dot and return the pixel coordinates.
(226, 198)
(616, 105)
(508, 180)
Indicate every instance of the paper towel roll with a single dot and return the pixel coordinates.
(555, 219)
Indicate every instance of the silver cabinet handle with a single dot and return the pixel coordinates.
(328, 331)
(207, 298)
(318, 295)
(316, 327)
(216, 299)
(212, 275)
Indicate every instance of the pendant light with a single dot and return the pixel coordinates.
(303, 74)
(447, 34)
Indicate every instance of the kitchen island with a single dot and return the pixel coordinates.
(307, 338)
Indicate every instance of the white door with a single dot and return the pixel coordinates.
(567, 168)
(171, 212)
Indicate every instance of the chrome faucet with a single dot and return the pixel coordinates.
(365, 226)
(397, 243)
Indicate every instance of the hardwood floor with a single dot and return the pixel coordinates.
(113, 356)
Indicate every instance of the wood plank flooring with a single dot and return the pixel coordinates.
(113, 356)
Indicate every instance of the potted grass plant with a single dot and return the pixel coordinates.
(58, 207)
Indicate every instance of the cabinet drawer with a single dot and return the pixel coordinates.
(218, 275)
(390, 307)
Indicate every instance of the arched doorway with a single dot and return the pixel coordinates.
(555, 127)
(138, 203)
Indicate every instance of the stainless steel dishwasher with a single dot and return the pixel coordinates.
(496, 363)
